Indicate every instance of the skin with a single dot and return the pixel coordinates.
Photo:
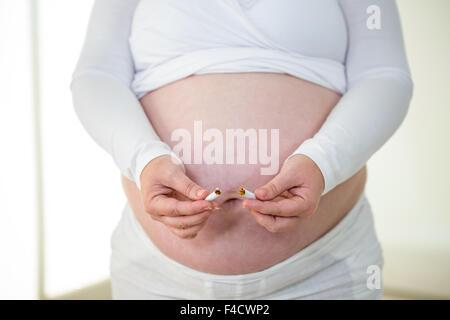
(232, 235)
(292, 195)
(163, 185)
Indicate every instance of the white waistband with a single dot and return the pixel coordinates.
(131, 243)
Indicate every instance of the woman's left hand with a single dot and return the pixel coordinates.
(294, 193)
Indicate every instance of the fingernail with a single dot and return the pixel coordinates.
(262, 193)
(200, 193)
(218, 208)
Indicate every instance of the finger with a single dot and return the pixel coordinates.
(291, 207)
(189, 233)
(181, 183)
(168, 206)
(274, 223)
(185, 222)
(276, 186)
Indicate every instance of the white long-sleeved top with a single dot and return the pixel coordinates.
(354, 47)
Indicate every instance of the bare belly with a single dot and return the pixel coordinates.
(232, 242)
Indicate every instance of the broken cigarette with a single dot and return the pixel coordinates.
(245, 193)
(213, 195)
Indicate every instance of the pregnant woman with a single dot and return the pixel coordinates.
(326, 80)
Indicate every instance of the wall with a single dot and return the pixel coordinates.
(408, 177)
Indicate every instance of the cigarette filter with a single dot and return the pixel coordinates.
(245, 193)
(213, 195)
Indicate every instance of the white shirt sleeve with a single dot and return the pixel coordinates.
(102, 98)
(378, 93)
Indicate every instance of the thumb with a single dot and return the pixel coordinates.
(275, 187)
(181, 183)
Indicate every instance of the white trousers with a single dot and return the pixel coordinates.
(345, 263)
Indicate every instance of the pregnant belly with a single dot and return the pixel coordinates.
(202, 115)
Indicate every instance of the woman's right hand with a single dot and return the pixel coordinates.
(173, 199)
